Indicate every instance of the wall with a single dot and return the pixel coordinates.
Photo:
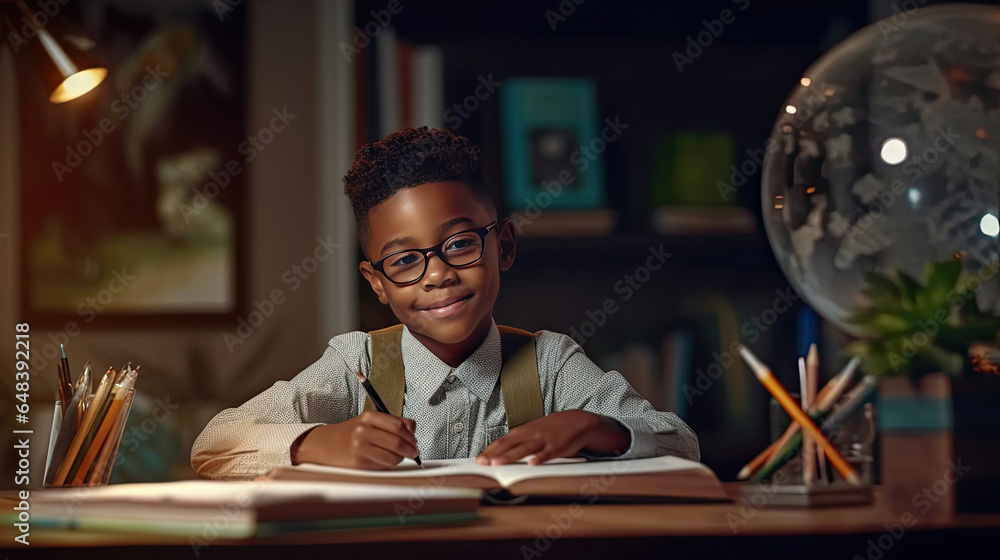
(295, 195)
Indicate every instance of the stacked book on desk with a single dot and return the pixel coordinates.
(313, 497)
(203, 511)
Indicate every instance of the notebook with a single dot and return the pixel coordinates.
(656, 477)
(214, 509)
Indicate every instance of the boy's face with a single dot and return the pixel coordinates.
(448, 309)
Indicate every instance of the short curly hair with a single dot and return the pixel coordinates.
(408, 158)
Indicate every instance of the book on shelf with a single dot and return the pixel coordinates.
(678, 363)
(656, 478)
(688, 168)
(698, 220)
(427, 102)
(565, 223)
(548, 126)
(186, 508)
(388, 76)
(640, 367)
(407, 84)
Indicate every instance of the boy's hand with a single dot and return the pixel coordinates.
(560, 434)
(371, 440)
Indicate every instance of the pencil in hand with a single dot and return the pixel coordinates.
(379, 405)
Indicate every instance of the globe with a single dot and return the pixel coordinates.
(886, 157)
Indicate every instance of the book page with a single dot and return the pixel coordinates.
(195, 493)
(508, 475)
(408, 468)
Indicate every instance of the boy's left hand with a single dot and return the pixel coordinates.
(560, 434)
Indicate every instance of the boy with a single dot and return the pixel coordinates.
(435, 249)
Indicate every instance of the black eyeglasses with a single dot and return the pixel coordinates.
(408, 266)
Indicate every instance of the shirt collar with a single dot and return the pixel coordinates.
(479, 372)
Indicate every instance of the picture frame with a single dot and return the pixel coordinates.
(133, 196)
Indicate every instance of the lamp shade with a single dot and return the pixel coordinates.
(66, 69)
(71, 73)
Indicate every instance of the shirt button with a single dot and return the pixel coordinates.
(451, 379)
(457, 427)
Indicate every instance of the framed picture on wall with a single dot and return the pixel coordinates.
(133, 195)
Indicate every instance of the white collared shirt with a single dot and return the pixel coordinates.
(457, 411)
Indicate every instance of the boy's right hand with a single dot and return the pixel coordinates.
(371, 440)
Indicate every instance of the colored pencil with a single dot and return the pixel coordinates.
(760, 459)
(808, 472)
(810, 370)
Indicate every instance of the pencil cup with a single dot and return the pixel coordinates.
(856, 440)
(77, 458)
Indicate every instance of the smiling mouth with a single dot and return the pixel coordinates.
(447, 306)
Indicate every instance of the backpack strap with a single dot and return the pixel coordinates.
(519, 384)
(386, 372)
(522, 393)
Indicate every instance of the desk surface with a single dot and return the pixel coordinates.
(903, 518)
(504, 530)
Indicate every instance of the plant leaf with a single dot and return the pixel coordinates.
(883, 293)
(891, 324)
(908, 286)
(941, 280)
(874, 358)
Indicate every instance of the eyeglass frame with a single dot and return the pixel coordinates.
(439, 251)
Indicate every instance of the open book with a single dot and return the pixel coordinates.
(655, 477)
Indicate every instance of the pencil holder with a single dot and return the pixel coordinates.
(856, 439)
(83, 453)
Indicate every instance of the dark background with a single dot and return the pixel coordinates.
(737, 85)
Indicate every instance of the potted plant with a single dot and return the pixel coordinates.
(931, 330)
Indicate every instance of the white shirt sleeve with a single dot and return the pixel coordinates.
(248, 441)
(570, 380)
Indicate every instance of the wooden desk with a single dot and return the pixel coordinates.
(606, 530)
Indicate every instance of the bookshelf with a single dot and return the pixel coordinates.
(712, 280)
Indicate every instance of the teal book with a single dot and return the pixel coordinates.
(552, 144)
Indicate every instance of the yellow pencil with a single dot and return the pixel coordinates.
(761, 459)
(767, 379)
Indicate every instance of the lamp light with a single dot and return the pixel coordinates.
(67, 69)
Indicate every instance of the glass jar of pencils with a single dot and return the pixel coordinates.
(87, 430)
(855, 438)
(798, 473)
